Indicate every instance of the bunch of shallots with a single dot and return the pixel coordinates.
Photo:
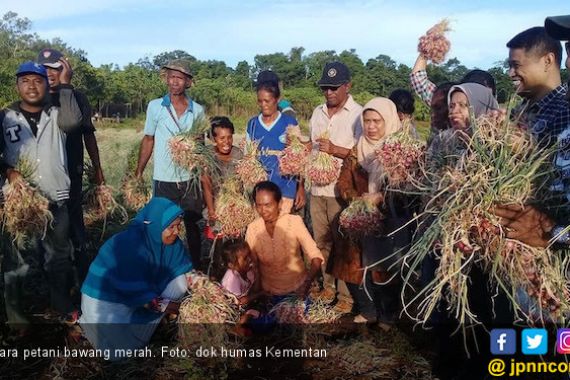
(249, 169)
(190, 152)
(461, 231)
(136, 192)
(361, 218)
(101, 205)
(235, 212)
(294, 157)
(434, 45)
(26, 215)
(290, 311)
(205, 314)
(401, 156)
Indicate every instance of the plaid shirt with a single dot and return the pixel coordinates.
(549, 121)
(422, 85)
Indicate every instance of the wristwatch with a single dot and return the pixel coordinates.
(560, 234)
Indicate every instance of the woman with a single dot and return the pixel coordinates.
(276, 240)
(227, 155)
(269, 129)
(361, 176)
(464, 100)
(144, 265)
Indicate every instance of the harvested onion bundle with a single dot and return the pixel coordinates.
(26, 215)
(434, 45)
(322, 168)
(462, 232)
(190, 152)
(99, 201)
(101, 205)
(203, 314)
(294, 310)
(401, 156)
(294, 157)
(361, 218)
(235, 212)
(136, 192)
(249, 169)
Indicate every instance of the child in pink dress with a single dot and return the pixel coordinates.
(240, 279)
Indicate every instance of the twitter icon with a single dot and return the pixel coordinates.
(534, 341)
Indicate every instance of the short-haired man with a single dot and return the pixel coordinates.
(34, 130)
(534, 67)
(339, 117)
(166, 117)
(85, 132)
(528, 224)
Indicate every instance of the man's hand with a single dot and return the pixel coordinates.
(13, 175)
(525, 224)
(212, 217)
(325, 145)
(99, 178)
(66, 71)
(300, 197)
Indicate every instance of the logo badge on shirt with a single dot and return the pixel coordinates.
(13, 132)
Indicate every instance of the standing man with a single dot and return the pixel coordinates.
(85, 132)
(34, 130)
(166, 117)
(340, 118)
(534, 67)
(528, 224)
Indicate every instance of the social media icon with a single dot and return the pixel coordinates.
(503, 341)
(534, 341)
(563, 341)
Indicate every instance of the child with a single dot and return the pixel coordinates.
(240, 279)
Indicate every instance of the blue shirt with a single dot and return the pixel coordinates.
(161, 125)
(272, 137)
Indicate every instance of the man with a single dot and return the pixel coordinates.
(85, 132)
(534, 61)
(528, 224)
(166, 117)
(36, 131)
(339, 117)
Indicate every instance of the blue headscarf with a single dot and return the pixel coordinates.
(134, 266)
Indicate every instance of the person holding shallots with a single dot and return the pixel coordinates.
(362, 177)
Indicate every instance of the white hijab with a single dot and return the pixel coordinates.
(366, 148)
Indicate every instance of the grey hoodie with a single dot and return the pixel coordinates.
(46, 151)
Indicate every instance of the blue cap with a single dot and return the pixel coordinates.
(31, 68)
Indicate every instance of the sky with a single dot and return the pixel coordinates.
(123, 31)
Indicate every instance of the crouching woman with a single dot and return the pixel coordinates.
(134, 278)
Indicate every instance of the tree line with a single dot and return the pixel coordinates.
(221, 88)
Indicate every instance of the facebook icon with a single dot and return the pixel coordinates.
(503, 341)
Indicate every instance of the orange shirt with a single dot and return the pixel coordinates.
(281, 265)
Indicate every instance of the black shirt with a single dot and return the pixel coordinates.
(33, 119)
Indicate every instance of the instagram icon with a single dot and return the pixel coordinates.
(563, 341)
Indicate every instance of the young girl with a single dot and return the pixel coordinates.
(240, 279)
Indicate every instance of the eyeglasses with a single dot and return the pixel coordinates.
(329, 88)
